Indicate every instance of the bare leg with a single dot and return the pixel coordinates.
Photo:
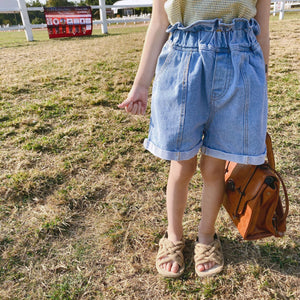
(212, 170)
(180, 175)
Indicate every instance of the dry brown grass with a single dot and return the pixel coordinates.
(82, 204)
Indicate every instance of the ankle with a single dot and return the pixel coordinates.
(206, 236)
(174, 236)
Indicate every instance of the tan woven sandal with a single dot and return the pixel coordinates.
(170, 252)
(209, 253)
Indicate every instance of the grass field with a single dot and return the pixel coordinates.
(82, 204)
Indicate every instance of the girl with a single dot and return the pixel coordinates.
(209, 93)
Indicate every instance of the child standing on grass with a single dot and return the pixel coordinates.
(210, 62)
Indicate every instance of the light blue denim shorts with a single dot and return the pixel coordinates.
(210, 93)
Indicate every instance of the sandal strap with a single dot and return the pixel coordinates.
(208, 253)
(170, 251)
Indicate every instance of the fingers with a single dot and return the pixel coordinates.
(135, 108)
(139, 110)
(128, 107)
(124, 103)
(142, 107)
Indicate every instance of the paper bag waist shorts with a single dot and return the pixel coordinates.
(210, 93)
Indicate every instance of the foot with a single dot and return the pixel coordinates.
(170, 261)
(170, 267)
(205, 239)
(208, 256)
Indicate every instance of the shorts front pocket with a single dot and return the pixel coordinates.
(164, 59)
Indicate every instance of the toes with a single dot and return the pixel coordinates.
(201, 268)
(206, 266)
(211, 264)
(169, 267)
(163, 266)
(175, 267)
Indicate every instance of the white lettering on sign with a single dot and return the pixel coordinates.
(55, 21)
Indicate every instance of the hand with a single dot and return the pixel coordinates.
(136, 102)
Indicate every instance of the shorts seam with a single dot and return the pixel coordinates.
(183, 102)
(211, 104)
(246, 109)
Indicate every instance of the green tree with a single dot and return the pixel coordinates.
(36, 17)
(38, 20)
(96, 2)
(96, 14)
(57, 3)
(91, 2)
(34, 3)
(11, 19)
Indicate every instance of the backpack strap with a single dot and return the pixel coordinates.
(270, 154)
(271, 163)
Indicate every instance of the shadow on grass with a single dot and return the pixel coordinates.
(22, 187)
(285, 260)
(22, 42)
(90, 37)
(87, 37)
(105, 103)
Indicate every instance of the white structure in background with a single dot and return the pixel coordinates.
(119, 5)
(122, 4)
(18, 6)
(103, 18)
(282, 6)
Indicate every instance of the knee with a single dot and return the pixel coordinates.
(212, 169)
(183, 171)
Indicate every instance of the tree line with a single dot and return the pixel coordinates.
(37, 17)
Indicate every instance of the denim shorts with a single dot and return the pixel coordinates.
(210, 93)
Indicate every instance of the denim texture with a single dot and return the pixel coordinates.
(210, 93)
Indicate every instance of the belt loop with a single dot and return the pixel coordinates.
(216, 25)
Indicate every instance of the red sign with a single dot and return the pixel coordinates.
(68, 21)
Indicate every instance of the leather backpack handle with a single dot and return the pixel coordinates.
(286, 198)
(271, 162)
(270, 153)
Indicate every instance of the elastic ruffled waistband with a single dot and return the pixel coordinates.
(218, 25)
